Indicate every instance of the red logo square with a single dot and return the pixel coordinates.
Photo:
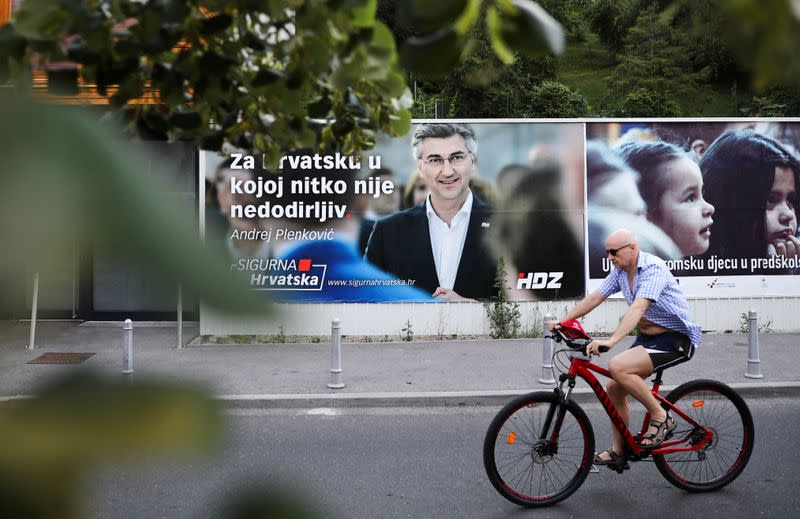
(304, 265)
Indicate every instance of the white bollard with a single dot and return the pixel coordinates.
(336, 356)
(34, 310)
(127, 347)
(753, 360)
(547, 353)
(179, 340)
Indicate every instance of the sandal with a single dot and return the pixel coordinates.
(663, 431)
(614, 462)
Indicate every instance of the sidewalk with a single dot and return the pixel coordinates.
(459, 372)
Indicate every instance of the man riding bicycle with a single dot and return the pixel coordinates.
(666, 335)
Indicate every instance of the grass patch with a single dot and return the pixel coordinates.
(588, 66)
(714, 100)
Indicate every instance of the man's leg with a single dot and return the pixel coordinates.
(629, 369)
(619, 397)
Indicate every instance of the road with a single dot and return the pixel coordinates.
(426, 462)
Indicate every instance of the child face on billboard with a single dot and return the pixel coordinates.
(780, 218)
(682, 212)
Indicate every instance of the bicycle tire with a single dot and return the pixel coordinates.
(718, 407)
(523, 468)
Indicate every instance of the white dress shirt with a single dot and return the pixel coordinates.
(447, 241)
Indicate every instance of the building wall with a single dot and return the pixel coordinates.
(464, 319)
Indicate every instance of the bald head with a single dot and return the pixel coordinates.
(623, 249)
(619, 238)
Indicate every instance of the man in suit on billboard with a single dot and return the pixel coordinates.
(440, 244)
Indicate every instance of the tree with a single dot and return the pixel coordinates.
(552, 99)
(606, 20)
(761, 36)
(655, 66)
(643, 102)
(483, 86)
(263, 76)
(777, 102)
(700, 25)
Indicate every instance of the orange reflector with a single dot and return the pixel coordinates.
(512, 437)
(698, 403)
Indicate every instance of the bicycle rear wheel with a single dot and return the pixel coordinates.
(719, 408)
(522, 461)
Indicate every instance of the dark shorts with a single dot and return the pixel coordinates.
(666, 349)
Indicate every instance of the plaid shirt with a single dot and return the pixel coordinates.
(655, 282)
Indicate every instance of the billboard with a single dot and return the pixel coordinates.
(717, 200)
(442, 214)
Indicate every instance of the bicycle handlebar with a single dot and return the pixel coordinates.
(575, 344)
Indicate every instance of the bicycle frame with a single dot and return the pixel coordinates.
(583, 368)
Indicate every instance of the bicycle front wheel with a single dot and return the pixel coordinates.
(719, 408)
(531, 466)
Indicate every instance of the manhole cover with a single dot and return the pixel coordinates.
(61, 358)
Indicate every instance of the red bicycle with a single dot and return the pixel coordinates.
(540, 446)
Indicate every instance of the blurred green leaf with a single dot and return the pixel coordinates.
(494, 30)
(426, 16)
(401, 124)
(364, 16)
(527, 28)
(249, 58)
(63, 81)
(130, 88)
(212, 141)
(381, 48)
(186, 120)
(215, 64)
(49, 443)
(320, 107)
(432, 55)
(12, 44)
(765, 36)
(265, 77)
(78, 50)
(87, 417)
(41, 19)
(468, 17)
(215, 24)
(259, 502)
(395, 85)
(73, 181)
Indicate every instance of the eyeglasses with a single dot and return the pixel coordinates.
(614, 252)
(455, 160)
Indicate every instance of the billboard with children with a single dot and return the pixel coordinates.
(441, 214)
(717, 200)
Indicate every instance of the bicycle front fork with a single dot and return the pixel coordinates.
(557, 411)
(565, 395)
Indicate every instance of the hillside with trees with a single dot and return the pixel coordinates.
(628, 58)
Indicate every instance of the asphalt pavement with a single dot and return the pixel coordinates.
(421, 462)
(451, 372)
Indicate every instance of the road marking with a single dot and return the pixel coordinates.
(322, 411)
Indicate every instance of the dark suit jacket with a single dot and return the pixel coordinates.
(401, 245)
(364, 232)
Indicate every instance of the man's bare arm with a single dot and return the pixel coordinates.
(584, 306)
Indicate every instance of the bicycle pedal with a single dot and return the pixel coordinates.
(623, 468)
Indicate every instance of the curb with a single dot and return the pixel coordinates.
(457, 398)
(333, 400)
